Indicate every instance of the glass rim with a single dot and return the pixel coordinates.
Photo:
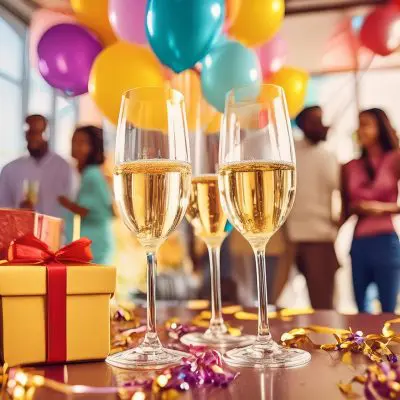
(177, 98)
(232, 91)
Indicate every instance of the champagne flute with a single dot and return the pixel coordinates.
(211, 225)
(152, 185)
(30, 191)
(257, 180)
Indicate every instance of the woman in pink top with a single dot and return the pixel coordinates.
(370, 191)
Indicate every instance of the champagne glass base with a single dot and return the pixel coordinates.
(224, 340)
(278, 357)
(138, 359)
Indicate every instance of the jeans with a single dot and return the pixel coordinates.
(376, 259)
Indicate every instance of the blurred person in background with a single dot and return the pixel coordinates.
(94, 202)
(311, 227)
(244, 269)
(370, 191)
(36, 181)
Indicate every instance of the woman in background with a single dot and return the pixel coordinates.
(370, 191)
(94, 200)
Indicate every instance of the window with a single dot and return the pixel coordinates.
(12, 42)
(65, 121)
(23, 91)
(11, 51)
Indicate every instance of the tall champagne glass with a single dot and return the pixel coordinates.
(211, 225)
(257, 181)
(152, 186)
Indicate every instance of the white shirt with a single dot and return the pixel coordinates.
(317, 178)
(53, 174)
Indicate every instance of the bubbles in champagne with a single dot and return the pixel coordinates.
(152, 196)
(258, 196)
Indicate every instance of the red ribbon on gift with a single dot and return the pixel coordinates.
(30, 250)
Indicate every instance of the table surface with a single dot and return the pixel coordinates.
(317, 380)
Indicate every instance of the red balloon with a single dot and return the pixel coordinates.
(380, 31)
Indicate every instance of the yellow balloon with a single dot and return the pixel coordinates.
(94, 15)
(257, 21)
(294, 82)
(214, 125)
(117, 69)
(153, 109)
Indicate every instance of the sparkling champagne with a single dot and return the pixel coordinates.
(258, 196)
(205, 212)
(153, 196)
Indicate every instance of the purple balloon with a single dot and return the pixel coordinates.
(66, 54)
(272, 55)
(127, 18)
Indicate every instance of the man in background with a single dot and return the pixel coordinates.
(36, 181)
(310, 224)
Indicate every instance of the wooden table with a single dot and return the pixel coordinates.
(318, 380)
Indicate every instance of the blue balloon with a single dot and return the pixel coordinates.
(229, 66)
(182, 32)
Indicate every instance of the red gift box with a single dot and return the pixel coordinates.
(17, 223)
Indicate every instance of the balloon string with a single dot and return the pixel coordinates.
(339, 114)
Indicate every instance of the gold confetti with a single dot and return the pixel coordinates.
(139, 396)
(197, 304)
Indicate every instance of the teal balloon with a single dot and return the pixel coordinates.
(182, 32)
(227, 67)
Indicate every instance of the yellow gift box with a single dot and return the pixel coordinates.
(23, 312)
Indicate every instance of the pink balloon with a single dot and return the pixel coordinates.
(272, 55)
(127, 19)
(42, 20)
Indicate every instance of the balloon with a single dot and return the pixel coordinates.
(380, 31)
(118, 68)
(188, 83)
(294, 82)
(154, 109)
(231, 10)
(182, 32)
(41, 21)
(272, 55)
(94, 14)
(229, 66)
(257, 21)
(127, 18)
(199, 114)
(66, 54)
(215, 124)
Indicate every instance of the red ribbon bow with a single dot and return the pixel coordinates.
(30, 250)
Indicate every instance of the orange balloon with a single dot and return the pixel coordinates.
(214, 125)
(188, 83)
(231, 10)
(94, 15)
(198, 112)
(294, 82)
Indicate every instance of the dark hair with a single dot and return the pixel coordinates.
(32, 116)
(387, 137)
(303, 114)
(95, 135)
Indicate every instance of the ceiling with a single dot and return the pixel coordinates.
(24, 8)
(308, 6)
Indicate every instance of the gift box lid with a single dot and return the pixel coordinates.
(28, 280)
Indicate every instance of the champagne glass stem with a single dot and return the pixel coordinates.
(151, 341)
(264, 338)
(217, 326)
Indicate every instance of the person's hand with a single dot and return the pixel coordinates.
(26, 205)
(372, 207)
(64, 201)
